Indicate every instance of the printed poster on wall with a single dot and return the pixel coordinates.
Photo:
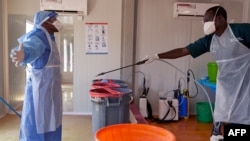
(96, 38)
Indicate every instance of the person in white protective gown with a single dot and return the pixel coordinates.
(230, 46)
(41, 118)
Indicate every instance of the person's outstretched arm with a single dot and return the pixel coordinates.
(172, 54)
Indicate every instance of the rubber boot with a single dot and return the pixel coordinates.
(216, 132)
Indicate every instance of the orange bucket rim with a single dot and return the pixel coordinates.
(159, 134)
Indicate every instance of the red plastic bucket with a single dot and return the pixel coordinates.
(111, 83)
(107, 80)
(105, 92)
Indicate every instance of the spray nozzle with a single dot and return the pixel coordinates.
(141, 62)
(100, 74)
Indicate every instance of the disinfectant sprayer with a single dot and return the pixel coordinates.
(144, 105)
(143, 61)
(168, 107)
(183, 99)
(196, 82)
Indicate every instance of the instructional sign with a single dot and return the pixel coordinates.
(96, 38)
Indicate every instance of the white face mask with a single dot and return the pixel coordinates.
(58, 25)
(209, 27)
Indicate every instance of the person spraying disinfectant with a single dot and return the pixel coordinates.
(230, 46)
(41, 118)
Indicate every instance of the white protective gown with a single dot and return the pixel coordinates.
(232, 103)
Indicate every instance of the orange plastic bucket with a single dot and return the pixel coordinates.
(133, 132)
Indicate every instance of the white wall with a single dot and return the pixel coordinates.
(248, 10)
(159, 32)
(128, 41)
(23, 7)
(17, 14)
(1, 60)
(88, 66)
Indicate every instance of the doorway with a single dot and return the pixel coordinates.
(65, 43)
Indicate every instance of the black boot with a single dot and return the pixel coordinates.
(216, 132)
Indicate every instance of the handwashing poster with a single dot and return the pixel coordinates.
(96, 38)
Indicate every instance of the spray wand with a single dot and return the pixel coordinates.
(138, 63)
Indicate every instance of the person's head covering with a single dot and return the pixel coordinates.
(42, 41)
(43, 16)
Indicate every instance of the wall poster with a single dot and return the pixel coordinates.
(96, 38)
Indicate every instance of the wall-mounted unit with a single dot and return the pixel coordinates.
(65, 6)
(189, 9)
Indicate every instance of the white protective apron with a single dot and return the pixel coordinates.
(47, 92)
(232, 104)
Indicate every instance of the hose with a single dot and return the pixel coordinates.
(210, 103)
(195, 84)
(10, 107)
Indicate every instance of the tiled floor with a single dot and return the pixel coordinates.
(187, 129)
(79, 128)
(67, 92)
(75, 128)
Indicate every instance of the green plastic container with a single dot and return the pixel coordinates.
(212, 69)
(203, 112)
